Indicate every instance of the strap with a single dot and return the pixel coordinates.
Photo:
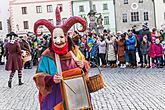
(73, 55)
(58, 64)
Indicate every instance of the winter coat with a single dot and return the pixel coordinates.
(94, 51)
(110, 49)
(102, 46)
(144, 48)
(131, 42)
(121, 50)
(152, 53)
(159, 50)
(13, 55)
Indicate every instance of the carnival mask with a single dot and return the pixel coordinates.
(59, 33)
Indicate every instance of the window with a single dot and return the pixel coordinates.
(106, 20)
(24, 10)
(134, 16)
(146, 16)
(140, 1)
(125, 1)
(26, 25)
(94, 7)
(81, 8)
(0, 25)
(105, 6)
(124, 18)
(163, 1)
(49, 8)
(38, 9)
(51, 20)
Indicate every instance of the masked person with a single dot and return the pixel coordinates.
(47, 79)
(14, 58)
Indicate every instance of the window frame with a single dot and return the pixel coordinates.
(146, 16)
(26, 24)
(49, 8)
(135, 16)
(125, 1)
(38, 9)
(140, 1)
(81, 8)
(106, 21)
(24, 10)
(105, 6)
(124, 18)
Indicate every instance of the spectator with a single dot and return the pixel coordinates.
(159, 53)
(144, 48)
(131, 47)
(111, 56)
(102, 50)
(152, 53)
(121, 50)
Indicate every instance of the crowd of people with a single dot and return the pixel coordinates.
(105, 49)
(123, 49)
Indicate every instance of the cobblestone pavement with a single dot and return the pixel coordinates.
(126, 89)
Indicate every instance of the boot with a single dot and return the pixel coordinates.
(9, 84)
(115, 66)
(112, 66)
(20, 82)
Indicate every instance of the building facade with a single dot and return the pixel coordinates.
(24, 13)
(4, 16)
(103, 7)
(160, 13)
(134, 12)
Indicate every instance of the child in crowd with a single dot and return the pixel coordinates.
(152, 51)
(144, 48)
(159, 53)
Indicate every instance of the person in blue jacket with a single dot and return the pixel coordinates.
(131, 48)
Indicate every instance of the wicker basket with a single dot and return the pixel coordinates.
(96, 82)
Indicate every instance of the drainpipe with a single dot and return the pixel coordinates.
(115, 15)
(154, 13)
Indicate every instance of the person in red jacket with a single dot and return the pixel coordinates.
(159, 53)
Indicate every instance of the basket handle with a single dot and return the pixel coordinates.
(96, 66)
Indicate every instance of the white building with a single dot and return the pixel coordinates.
(24, 13)
(160, 13)
(105, 7)
(4, 16)
(131, 13)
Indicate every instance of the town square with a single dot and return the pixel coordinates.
(82, 55)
